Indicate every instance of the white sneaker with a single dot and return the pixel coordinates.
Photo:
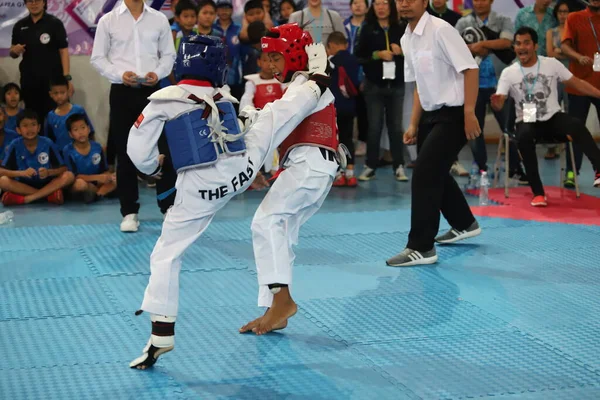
(367, 174)
(458, 169)
(130, 223)
(400, 175)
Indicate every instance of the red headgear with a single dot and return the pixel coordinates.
(290, 42)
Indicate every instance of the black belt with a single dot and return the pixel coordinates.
(327, 154)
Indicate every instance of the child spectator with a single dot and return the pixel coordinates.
(86, 160)
(11, 95)
(250, 52)
(262, 88)
(253, 12)
(286, 8)
(186, 16)
(32, 168)
(55, 127)
(6, 135)
(207, 13)
(229, 31)
(344, 86)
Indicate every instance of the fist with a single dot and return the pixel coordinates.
(317, 59)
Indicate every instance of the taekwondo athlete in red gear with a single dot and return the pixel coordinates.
(310, 161)
(214, 157)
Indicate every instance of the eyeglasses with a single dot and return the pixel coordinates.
(381, 3)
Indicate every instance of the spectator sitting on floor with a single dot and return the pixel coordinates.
(87, 161)
(32, 168)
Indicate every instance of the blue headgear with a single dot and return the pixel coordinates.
(202, 56)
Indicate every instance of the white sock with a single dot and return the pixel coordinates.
(349, 173)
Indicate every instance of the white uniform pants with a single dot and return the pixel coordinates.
(296, 195)
(202, 192)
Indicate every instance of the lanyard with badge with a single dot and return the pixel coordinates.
(596, 66)
(529, 106)
(389, 67)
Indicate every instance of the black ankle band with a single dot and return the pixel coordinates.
(277, 285)
(163, 328)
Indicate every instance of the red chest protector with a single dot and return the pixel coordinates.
(266, 93)
(318, 129)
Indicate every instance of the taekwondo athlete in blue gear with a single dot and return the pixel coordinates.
(217, 156)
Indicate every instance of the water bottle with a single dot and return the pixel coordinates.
(473, 177)
(6, 217)
(483, 189)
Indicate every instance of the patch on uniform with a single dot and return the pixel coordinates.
(96, 159)
(138, 121)
(43, 158)
(44, 38)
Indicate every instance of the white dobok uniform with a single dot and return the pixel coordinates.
(296, 195)
(203, 191)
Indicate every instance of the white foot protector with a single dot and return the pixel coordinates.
(156, 346)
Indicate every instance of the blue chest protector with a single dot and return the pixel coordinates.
(191, 139)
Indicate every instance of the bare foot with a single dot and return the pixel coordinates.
(251, 326)
(276, 317)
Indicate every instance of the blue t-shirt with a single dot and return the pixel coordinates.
(487, 72)
(92, 163)
(9, 136)
(18, 158)
(234, 61)
(11, 122)
(55, 127)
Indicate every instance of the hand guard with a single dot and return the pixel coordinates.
(317, 59)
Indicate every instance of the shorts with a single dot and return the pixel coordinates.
(34, 183)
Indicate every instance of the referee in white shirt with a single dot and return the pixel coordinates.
(133, 49)
(443, 119)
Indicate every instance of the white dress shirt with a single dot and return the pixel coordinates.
(435, 55)
(123, 44)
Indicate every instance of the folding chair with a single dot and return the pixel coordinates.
(504, 142)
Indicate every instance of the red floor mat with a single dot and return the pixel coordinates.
(563, 206)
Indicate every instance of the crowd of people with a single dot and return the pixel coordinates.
(135, 49)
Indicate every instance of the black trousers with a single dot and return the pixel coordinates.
(384, 101)
(345, 123)
(555, 130)
(579, 107)
(361, 118)
(126, 104)
(35, 94)
(440, 139)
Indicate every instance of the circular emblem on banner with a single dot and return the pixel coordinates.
(43, 158)
(270, 89)
(96, 159)
(44, 38)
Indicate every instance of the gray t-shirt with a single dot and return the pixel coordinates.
(320, 28)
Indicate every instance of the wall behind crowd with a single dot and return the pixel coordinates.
(92, 90)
